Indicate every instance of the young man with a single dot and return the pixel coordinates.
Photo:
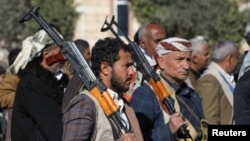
(84, 119)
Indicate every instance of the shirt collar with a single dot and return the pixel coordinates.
(150, 59)
(118, 100)
(229, 77)
(179, 90)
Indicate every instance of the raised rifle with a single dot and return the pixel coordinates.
(75, 57)
(148, 72)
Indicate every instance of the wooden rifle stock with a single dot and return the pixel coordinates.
(159, 89)
(162, 94)
(105, 100)
(110, 108)
(74, 56)
(55, 58)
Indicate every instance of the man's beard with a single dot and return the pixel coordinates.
(117, 84)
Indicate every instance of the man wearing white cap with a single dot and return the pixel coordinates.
(174, 55)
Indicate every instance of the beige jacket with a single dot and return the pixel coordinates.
(216, 97)
(102, 131)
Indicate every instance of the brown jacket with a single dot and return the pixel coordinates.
(8, 90)
(7, 96)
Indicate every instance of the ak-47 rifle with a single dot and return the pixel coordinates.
(149, 74)
(73, 55)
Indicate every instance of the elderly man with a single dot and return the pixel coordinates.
(216, 85)
(147, 37)
(155, 120)
(199, 61)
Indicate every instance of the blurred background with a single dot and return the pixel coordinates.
(83, 19)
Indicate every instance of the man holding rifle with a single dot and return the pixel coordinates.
(150, 118)
(84, 118)
(173, 59)
(37, 112)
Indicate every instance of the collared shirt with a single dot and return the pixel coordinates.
(186, 91)
(229, 77)
(150, 59)
(120, 103)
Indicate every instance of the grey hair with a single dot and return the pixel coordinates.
(223, 48)
(197, 43)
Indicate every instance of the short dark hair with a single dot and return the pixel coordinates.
(106, 50)
(81, 44)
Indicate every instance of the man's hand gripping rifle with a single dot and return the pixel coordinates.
(149, 74)
(75, 57)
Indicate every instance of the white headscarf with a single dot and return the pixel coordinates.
(173, 44)
(31, 47)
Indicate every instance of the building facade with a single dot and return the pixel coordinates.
(93, 14)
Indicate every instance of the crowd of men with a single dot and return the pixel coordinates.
(51, 102)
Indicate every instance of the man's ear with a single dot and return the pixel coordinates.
(141, 43)
(105, 68)
(160, 62)
(45, 52)
(229, 59)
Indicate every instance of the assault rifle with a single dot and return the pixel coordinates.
(75, 57)
(149, 74)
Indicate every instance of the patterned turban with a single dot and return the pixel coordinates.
(173, 44)
(31, 48)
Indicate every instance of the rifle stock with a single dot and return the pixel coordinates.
(55, 58)
(74, 56)
(149, 74)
